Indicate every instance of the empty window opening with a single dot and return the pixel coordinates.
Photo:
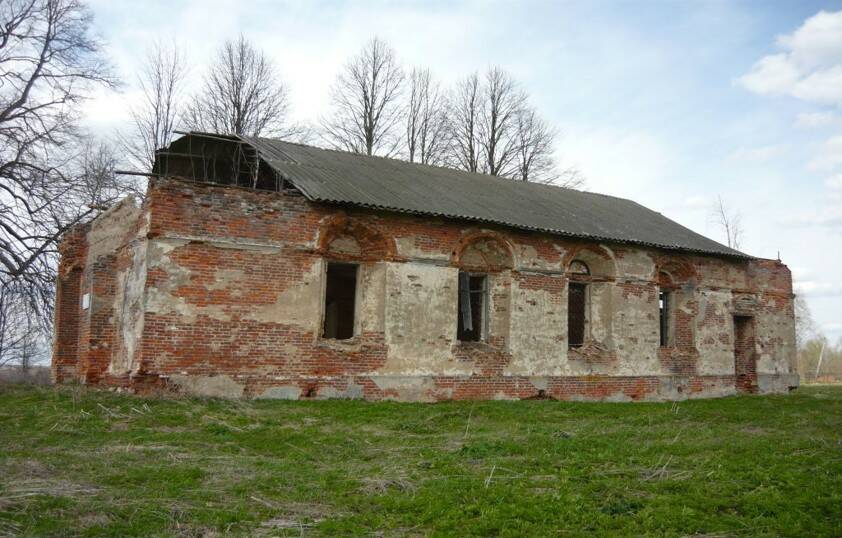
(665, 311)
(473, 297)
(340, 299)
(576, 301)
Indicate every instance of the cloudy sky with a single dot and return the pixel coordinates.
(671, 104)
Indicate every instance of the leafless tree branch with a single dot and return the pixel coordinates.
(365, 103)
(154, 119)
(427, 129)
(730, 220)
(495, 130)
(243, 94)
(49, 64)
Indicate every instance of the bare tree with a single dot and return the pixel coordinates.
(503, 104)
(730, 221)
(94, 168)
(365, 108)
(805, 327)
(535, 140)
(48, 63)
(465, 120)
(242, 94)
(155, 118)
(22, 337)
(426, 119)
(571, 177)
(495, 130)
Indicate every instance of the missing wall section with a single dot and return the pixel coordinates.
(340, 300)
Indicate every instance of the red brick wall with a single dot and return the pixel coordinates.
(265, 244)
(68, 306)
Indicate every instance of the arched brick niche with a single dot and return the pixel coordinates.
(591, 272)
(673, 272)
(483, 251)
(351, 250)
(345, 238)
(675, 281)
(485, 260)
(599, 261)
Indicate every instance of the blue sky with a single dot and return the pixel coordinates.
(668, 103)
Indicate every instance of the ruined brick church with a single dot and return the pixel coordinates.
(264, 269)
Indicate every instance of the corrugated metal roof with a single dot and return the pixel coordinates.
(389, 184)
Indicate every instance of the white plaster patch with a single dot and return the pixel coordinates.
(221, 386)
(298, 305)
(286, 392)
(408, 388)
(421, 320)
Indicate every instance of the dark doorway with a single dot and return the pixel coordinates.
(340, 296)
(745, 362)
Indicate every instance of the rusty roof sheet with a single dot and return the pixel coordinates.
(393, 185)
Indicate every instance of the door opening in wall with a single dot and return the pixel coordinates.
(340, 300)
(745, 361)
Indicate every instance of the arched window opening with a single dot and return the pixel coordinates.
(578, 267)
(481, 258)
(577, 303)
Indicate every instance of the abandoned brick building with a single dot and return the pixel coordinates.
(260, 268)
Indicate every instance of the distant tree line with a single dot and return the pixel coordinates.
(485, 123)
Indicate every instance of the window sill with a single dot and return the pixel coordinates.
(475, 344)
(347, 344)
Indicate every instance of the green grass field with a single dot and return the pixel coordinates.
(80, 462)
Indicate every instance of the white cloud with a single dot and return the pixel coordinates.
(818, 287)
(801, 273)
(617, 161)
(698, 202)
(834, 182)
(817, 120)
(810, 68)
(829, 155)
(818, 42)
(759, 154)
(830, 216)
(108, 108)
(771, 75)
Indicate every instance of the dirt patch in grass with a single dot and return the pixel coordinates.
(22, 491)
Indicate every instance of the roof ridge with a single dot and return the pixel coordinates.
(434, 166)
(339, 176)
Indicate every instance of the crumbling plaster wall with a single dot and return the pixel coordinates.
(110, 293)
(233, 285)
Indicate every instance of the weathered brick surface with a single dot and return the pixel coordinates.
(68, 306)
(219, 290)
